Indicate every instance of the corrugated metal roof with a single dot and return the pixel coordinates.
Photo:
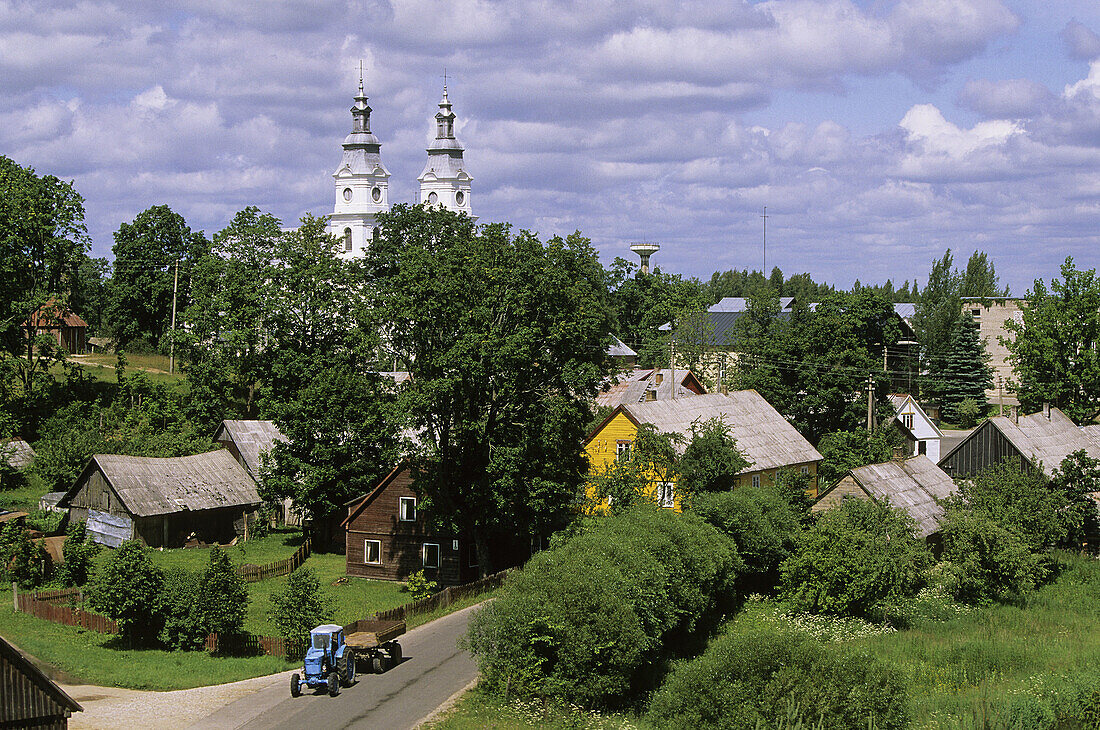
(156, 486)
(1047, 440)
(763, 436)
(633, 388)
(913, 485)
(618, 348)
(252, 438)
(17, 453)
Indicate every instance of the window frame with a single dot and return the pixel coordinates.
(622, 449)
(756, 480)
(424, 554)
(366, 552)
(347, 240)
(666, 500)
(401, 511)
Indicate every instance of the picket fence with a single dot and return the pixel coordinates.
(445, 597)
(48, 605)
(255, 573)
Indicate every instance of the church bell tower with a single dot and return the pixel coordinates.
(361, 183)
(444, 180)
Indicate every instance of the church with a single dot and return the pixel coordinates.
(361, 183)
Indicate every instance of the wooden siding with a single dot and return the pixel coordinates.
(846, 488)
(985, 447)
(27, 697)
(401, 542)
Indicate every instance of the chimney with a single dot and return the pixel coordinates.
(651, 394)
(1046, 411)
(1015, 414)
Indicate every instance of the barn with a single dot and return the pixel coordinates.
(163, 502)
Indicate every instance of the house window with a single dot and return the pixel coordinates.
(907, 420)
(756, 480)
(664, 494)
(922, 447)
(372, 552)
(407, 509)
(347, 239)
(471, 560)
(431, 555)
(806, 470)
(976, 313)
(622, 450)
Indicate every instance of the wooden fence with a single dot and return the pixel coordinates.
(445, 597)
(249, 644)
(255, 573)
(49, 608)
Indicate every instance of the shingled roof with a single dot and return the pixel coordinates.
(913, 485)
(155, 486)
(634, 387)
(16, 453)
(251, 438)
(763, 436)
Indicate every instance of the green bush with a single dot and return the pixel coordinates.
(78, 552)
(985, 561)
(180, 602)
(856, 555)
(590, 620)
(761, 523)
(128, 589)
(21, 559)
(749, 678)
(224, 602)
(299, 607)
(419, 587)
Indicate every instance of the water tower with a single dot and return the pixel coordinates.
(644, 251)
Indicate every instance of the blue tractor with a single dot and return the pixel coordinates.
(329, 662)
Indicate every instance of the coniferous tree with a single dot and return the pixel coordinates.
(966, 372)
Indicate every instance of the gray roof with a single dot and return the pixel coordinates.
(1047, 440)
(156, 486)
(763, 436)
(252, 438)
(913, 485)
(618, 349)
(633, 388)
(17, 453)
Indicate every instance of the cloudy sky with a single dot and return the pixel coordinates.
(878, 133)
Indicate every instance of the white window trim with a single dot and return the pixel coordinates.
(424, 554)
(756, 480)
(806, 470)
(666, 495)
(366, 553)
(401, 501)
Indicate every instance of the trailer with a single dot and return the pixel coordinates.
(375, 643)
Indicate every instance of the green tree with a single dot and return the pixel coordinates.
(1078, 477)
(711, 461)
(181, 601)
(857, 556)
(762, 341)
(78, 553)
(1054, 351)
(26, 561)
(299, 607)
(224, 603)
(127, 588)
(505, 338)
(965, 374)
(146, 253)
(845, 450)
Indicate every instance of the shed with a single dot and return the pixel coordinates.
(28, 698)
(248, 440)
(914, 484)
(163, 501)
(1038, 441)
(70, 331)
(16, 453)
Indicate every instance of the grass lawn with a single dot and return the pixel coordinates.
(477, 710)
(102, 367)
(24, 497)
(93, 658)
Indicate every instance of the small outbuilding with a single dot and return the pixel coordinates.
(70, 331)
(163, 502)
(16, 453)
(28, 698)
(248, 441)
(925, 434)
(914, 484)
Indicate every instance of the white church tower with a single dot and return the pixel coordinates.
(361, 183)
(444, 180)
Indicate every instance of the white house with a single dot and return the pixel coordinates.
(926, 436)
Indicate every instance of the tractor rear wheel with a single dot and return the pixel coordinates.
(345, 667)
(295, 685)
(333, 684)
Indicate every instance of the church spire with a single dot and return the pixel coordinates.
(444, 180)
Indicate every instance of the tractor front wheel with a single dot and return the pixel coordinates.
(333, 684)
(295, 685)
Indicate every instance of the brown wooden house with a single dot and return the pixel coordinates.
(70, 331)
(28, 698)
(163, 501)
(387, 537)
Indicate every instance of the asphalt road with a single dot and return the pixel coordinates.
(431, 671)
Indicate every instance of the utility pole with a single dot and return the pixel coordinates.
(172, 341)
(870, 404)
(672, 357)
(765, 257)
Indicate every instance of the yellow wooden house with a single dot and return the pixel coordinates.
(766, 439)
